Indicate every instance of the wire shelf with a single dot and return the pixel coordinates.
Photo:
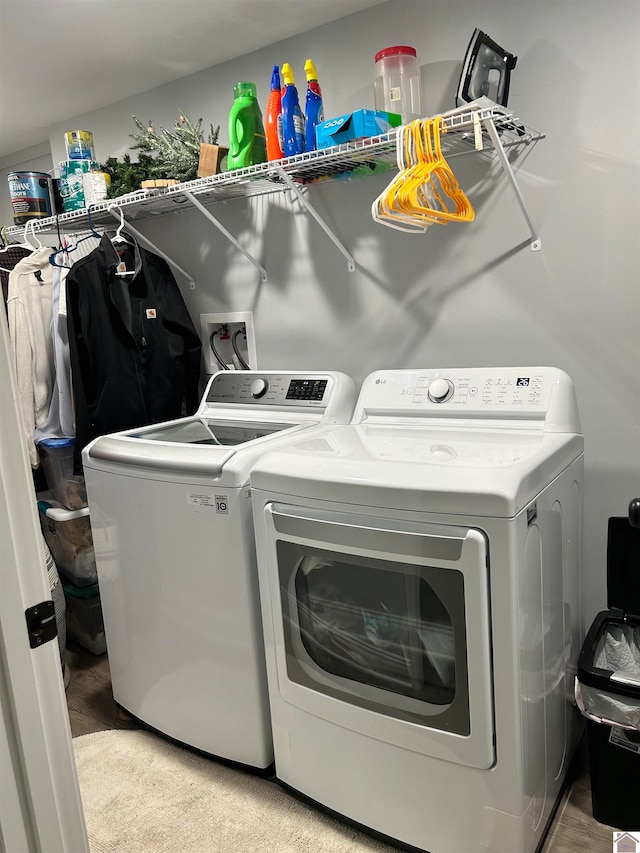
(351, 159)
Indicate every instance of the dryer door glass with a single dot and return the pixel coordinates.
(388, 616)
(387, 636)
(382, 625)
(386, 626)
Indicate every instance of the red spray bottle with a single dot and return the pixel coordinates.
(273, 118)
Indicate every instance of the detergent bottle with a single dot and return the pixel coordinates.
(247, 143)
(313, 108)
(292, 118)
(273, 123)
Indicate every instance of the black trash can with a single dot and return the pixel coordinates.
(608, 686)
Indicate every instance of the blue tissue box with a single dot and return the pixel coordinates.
(355, 125)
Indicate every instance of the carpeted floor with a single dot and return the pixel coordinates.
(142, 794)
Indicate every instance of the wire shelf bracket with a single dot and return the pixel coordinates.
(351, 264)
(536, 242)
(203, 210)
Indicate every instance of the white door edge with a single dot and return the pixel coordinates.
(40, 807)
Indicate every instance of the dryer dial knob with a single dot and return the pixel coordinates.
(440, 390)
(259, 388)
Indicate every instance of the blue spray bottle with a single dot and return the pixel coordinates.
(313, 108)
(292, 118)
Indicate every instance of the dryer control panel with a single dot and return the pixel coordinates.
(534, 394)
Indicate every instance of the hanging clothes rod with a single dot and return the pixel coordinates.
(117, 213)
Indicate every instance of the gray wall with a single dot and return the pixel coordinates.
(459, 295)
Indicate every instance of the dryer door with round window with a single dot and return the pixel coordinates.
(382, 626)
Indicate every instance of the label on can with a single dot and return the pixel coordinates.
(95, 186)
(31, 196)
(70, 167)
(79, 144)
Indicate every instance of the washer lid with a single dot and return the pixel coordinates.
(488, 473)
(196, 446)
(241, 414)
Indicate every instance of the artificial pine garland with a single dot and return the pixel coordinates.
(126, 177)
(161, 155)
(175, 155)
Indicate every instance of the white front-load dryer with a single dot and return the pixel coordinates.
(419, 582)
(171, 518)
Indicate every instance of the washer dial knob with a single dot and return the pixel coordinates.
(440, 390)
(259, 388)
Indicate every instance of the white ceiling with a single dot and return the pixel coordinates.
(62, 58)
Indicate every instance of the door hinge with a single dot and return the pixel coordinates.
(41, 623)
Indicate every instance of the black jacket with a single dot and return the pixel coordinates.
(135, 354)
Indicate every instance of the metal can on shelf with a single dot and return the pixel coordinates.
(31, 196)
(79, 145)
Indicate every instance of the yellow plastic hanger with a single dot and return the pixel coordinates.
(434, 192)
(383, 209)
(425, 192)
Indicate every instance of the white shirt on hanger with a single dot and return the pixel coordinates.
(60, 422)
(29, 307)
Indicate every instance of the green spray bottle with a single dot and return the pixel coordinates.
(247, 142)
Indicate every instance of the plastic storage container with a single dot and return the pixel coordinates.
(56, 458)
(84, 617)
(608, 683)
(68, 535)
(396, 87)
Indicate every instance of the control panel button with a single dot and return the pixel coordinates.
(440, 390)
(259, 388)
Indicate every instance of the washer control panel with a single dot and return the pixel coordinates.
(270, 389)
(531, 393)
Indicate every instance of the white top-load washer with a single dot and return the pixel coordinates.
(419, 581)
(171, 518)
